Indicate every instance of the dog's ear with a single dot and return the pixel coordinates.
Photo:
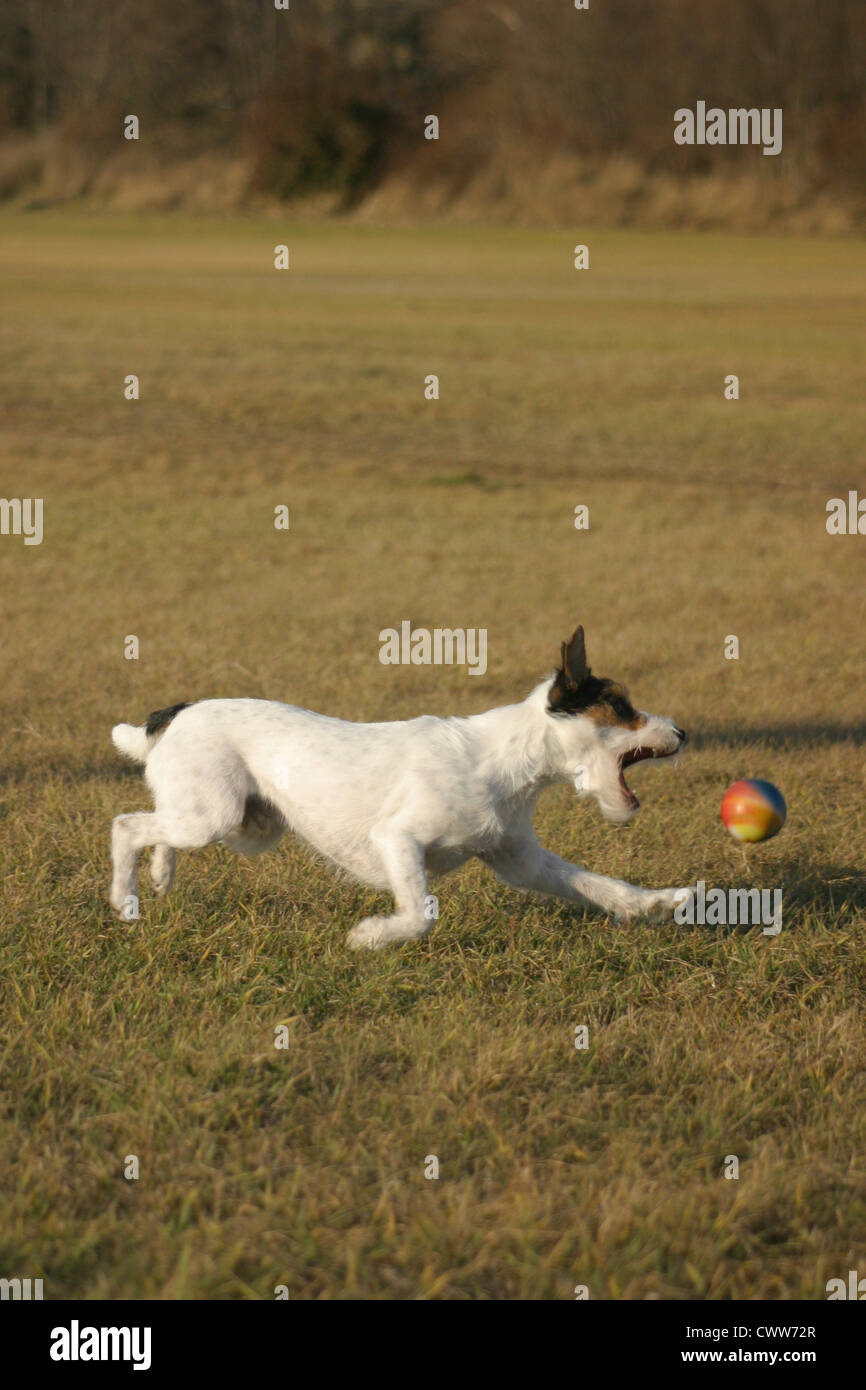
(574, 667)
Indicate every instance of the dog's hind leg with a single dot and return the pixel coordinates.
(162, 862)
(129, 836)
(188, 815)
(403, 860)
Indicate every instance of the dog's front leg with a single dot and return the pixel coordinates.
(403, 860)
(524, 864)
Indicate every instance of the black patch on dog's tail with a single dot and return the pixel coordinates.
(159, 721)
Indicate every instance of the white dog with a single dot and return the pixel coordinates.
(394, 803)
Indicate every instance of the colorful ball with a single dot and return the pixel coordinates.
(753, 810)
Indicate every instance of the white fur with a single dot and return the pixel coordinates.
(391, 803)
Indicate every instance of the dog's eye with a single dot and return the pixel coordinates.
(621, 708)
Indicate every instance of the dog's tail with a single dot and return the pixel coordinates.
(136, 740)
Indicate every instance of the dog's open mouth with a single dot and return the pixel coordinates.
(628, 759)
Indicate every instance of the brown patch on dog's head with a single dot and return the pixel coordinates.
(614, 707)
(577, 691)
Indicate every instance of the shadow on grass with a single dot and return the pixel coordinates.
(821, 888)
(808, 889)
(777, 735)
(64, 770)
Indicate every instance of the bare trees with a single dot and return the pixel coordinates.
(328, 93)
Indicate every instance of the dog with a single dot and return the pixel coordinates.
(395, 803)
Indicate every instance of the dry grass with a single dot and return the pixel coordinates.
(513, 187)
(558, 1167)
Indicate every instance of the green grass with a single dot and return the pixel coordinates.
(306, 1167)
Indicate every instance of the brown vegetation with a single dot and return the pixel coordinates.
(545, 111)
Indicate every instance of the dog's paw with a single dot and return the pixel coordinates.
(670, 902)
(373, 933)
(684, 903)
(655, 905)
(124, 905)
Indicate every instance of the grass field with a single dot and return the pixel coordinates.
(558, 1167)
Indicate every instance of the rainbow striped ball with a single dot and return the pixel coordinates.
(753, 810)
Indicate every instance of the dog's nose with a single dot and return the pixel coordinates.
(680, 733)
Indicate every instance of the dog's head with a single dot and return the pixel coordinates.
(599, 733)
